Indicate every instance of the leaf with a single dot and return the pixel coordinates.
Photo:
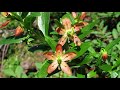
(106, 67)
(51, 42)
(38, 65)
(16, 16)
(9, 72)
(118, 27)
(80, 76)
(42, 73)
(24, 75)
(24, 14)
(43, 22)
(11, 40)
(110, 45)
(84, 47)
(104, 29)
(86, 60)
(18, 71)
(91, 74)
(58, 23)
(113, 74)
(85, 34)
(117, 63)
(115, 33)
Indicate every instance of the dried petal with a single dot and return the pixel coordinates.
(74, 14)
(5, 23)
(59, 49)
(49, 56)
(69, 56)
(5, 14)
(60, 31)
(65, 68)
(83, 15)
(66, 23)
(76, 40)
(52, 67)
(62, 40)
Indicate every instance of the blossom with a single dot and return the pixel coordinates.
(4, 23)
(59, 60)
(67, 32)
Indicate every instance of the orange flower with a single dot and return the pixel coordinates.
(59, 60)
(19, 31)
(68, 32)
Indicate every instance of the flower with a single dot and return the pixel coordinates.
(5, 14)
(19, 31)
(68, 32)
(59, 60)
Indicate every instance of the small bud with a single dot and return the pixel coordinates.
(104, 56)
(19, 31)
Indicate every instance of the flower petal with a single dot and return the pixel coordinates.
(52, 67)
(60, 31)
(76, 40)
(74, 14)
(62, 40)
(69, 56)
(66, 23)
(49, 56)
(59, 49)
(83, 15)
(65, 68)
(5, 23)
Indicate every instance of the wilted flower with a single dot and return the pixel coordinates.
(59, 60)
(68, 32)
(5, 14)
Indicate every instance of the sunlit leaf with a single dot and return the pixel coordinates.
(42, 73)
(91, 74)
(43, 22)
(18, 71)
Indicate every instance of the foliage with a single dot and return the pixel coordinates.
(25, 55)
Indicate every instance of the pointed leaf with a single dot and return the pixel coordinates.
(43, 22)
(18, 71)
(42, 73)
(106, 67)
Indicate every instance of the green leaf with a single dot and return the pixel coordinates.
(117, 63)
(115, 33)
(68, 15)
(86, 60)
(9, 72)
(24, 75)
(58, 23)
(11, 40)
(85, 34)
(104, 29)
(43, 22)
(113, 74)
(84, 47)
(89, 26)
(91, 74)
(110, 45)
(118, 27)
(106, 67)
(51, 42)
(16, 16)
(24, 14)
(38, 65)
(18, 71)
(80, 76)
(42, 73)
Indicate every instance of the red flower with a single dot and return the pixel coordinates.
(68, 32)
(59, 60)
